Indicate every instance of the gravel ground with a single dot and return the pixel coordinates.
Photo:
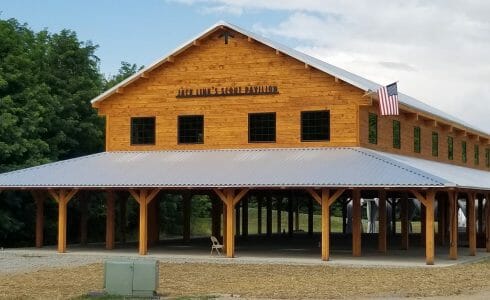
(28, 274)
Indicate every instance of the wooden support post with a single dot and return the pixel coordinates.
(471, 222)
(310, 217)
(325, 200)
(423, 224)
(259, 214)
(278, 214)
(404, 221)
(153, 222)
(110, 220)
(186, 226)
(453, 224)
(230, 199)
(216, 208)
(237, 219)
(143, 197)
(290, 215)
(356, 223)
(122, 217)
(84, 200)
(269, 216)
(428, 202)
(245, 217)
(39, 198)
(62, 197)
(382, 247)
(441, 220)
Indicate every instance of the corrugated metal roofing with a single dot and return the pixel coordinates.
(355, 80)
(311, 167)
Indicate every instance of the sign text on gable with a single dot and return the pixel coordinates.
(250, 90)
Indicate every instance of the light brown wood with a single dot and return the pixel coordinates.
(110, 220)
(356, 223)
(143, 197)
(230, 198)
(325, 195)
(382, 246)
(471, 223)
(429, 230)
(453, 224)
(39, 198)
(62, 197)
(404, 222)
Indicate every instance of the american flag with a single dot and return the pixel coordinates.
(388, 100)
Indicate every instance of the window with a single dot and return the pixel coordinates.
(450, 148)
(315, 125)
(396, 134)
(487, 157)
(262, 127)
(477, 155)
(435, 144)
(191, 129)
(143, 131)
(464, 157)
(373, 128)
(416, 139)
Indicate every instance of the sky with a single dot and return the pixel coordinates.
(438, 50)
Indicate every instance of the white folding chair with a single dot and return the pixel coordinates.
(216, 246)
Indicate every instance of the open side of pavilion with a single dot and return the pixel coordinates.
(325, 174)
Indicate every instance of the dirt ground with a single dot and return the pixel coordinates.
(265, 281)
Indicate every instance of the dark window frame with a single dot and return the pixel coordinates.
(417, 139)
(134, 139)
(435, 144)
(450, 148)
(302, 129)
(464, 151)
(179, 130)
(397, 135)
(373, 128)
(476, 154)
(250, 134)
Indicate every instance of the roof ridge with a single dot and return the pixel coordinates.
(401, 165)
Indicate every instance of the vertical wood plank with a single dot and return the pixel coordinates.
(186, 226)
(325, 225)
(453, 225)
(245, 217)
(404, 221)
(356, 223)
(62, 210)
(143, 224)
(429, 230)
(110, 218)
(39, 198)
(471, 223)
(382, 247)
(230, 226)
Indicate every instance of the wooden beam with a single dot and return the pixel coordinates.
(429, 233)
(110, 220)
(356, 223)
(453, 224)
(316, 196)
(143, 223)
(240, 195)
(62, 197)
(404, 221)
(335, 196)
(230, 225)
(471, 222)
(39, 198)
(186, 226)
(325, 193)
(382, 247)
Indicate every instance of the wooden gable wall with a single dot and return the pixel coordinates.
(242, 62)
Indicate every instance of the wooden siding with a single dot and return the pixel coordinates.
(385, 139)
(240, 63)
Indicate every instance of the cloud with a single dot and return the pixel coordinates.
(438, 50)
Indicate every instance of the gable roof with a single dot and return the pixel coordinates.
(351, 78)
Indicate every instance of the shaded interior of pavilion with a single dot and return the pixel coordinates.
(285, 223)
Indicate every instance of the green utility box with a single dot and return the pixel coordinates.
(131, 277)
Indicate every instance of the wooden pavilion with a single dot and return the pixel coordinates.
(231, 113)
